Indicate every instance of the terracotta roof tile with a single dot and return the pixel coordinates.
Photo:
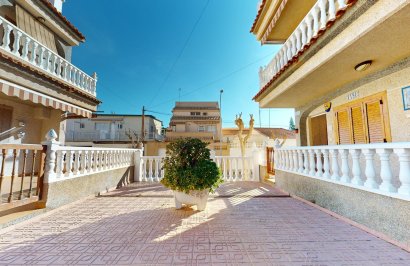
(262, 5)
(63, 18)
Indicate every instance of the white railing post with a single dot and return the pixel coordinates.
(335, 164)
(404, 174)
(385, 170)
(319, 164)
(300, 159)
(50, 162)
(357, 179)
(312, 164)
(344, 155)
(370, 171)
(326, 166)
(306, 162)
(137, 166)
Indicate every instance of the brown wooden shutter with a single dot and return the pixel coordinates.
(359, 132)
(375, 122)
(343, 126)
(34, 28)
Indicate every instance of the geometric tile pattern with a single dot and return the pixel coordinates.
(138, 225)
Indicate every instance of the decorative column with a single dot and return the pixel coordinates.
(370, 170)
(319, 165)
(356, 171)
(326, 166)
(404, 176)
(335, 164)
(385, 170)
(344, 155)
(50, 162)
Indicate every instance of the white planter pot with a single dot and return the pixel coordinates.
(195, 197)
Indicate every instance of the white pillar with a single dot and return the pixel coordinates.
(335, 164)
(344, 155)
(370, 171)
(385, 170)
(404, 176)
(52, 146)
(356, 171)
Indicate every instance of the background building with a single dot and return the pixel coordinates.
(38, 83)
(197, 120)
(112, 130)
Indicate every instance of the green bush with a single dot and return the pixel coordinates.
(188, 166)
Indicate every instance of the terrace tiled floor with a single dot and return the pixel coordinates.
(246, 223)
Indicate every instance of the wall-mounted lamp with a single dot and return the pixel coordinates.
(22, 124)
(41, 19)
(363, 65)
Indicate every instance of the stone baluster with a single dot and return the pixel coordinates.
(6, 37)
(60, 163)
(294, 48)
(46, 62)
(156, 170)
(58, 67)
(298, 34)
(344, 155)
(289, 160)
(150, 170)
(304, 34)
(385, 170)
(76, 162)
(308, 22)
(404, 174)
(91, 161)
(315, 15)
(326, 166)
(300, 160)
(295, 161)
(319, 164)
(356, 171)
(342, 4)
(370, 170)
(24, 51)
(335, 165)
(306, 162)
(323, 13)
(332, 10)
(34, 47)
(95, 161)
(312, 164)
(69, 163)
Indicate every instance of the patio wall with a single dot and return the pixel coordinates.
(69, 190)
(388, 215)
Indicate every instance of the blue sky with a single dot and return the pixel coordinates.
(145, 50)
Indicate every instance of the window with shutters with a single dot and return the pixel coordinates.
(6, 114)
(34, 28)
(363, 121)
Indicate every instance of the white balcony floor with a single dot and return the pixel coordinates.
(246, 223)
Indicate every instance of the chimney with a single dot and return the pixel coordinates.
(58, 4)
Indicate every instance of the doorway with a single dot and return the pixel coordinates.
(318, 129)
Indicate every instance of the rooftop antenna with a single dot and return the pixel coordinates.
(179, 94)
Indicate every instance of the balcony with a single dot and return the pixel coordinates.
(29, 52)
(103, 135)
(206, 136)
(311, 27)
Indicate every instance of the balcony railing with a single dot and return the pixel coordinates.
(102, 135)
(23, 46)
(314, 23)
(382, 168)
(200, 135)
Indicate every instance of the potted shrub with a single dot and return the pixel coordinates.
(190, 172)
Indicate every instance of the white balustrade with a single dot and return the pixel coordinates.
(72, 162)
(236, 168)
(382, 168)
(36, 54)
(323, 12)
